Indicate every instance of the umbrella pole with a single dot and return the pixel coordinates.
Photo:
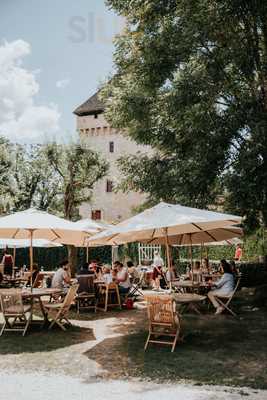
(14, 260)
(168, 256)
(191, 252)
(31, 254)
(87, 253)
(201, 253)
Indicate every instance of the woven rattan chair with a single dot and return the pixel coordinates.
(14, 311)
(164, 321)
(59, 311)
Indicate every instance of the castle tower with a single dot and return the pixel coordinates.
(111, 144)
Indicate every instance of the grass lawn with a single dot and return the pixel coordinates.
(216, 350)
(38, 340)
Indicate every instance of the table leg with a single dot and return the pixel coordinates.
(43, 311)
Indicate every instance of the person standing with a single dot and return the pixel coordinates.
(7, 261)
(238, 252)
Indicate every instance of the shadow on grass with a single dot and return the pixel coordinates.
(222, 351)
(39, 340)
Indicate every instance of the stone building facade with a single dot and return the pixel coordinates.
(94, 130)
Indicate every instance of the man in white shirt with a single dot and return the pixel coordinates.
(157, 261)
(61, 276)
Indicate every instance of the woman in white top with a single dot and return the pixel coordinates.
(223, 287)
(122, 279)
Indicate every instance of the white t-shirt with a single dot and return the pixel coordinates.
(158, 261)
(58, 278)
(107, 277)
(121, 275)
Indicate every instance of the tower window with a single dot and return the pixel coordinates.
(111, 147)
(96, 215)
(95, 116)
(109, 187)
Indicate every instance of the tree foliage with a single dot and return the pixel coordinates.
(191, 81)
(77, 168)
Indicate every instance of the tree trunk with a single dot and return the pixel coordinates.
(72, 257)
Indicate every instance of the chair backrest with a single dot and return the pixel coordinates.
(86, 283)
(70, 296)
(38, 280)
(161, 309)
(234, 291)
(11, 301)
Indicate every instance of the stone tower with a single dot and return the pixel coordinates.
(111, 144)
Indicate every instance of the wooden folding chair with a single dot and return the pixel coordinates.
(38, 282)
(164, 321)
(59, 311)
(108, 296)
(85, 298)
(224, 301)
(13, 308)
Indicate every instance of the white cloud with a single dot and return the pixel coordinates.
(62, 83)
(21, 119)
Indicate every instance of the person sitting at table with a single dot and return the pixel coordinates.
(35, 272)
(7, 261)
(132, 271)
(206, 265)
(223, 287)
(93, 266)
(85, 270)
(107, 276)
(171, 274)
(122, 279)
(61, 277)
(196, 274)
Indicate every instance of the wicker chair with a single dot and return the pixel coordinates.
(13, 309)
(164, 321)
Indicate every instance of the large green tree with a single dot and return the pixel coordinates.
(34, 182)
(191, 82)
(5, 182)
(77, 168)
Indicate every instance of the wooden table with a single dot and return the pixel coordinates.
(37, 294)
(189, 301)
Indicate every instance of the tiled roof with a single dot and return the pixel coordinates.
(91, 106)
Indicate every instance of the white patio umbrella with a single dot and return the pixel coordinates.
(33, 224)
(91, 227)
(163, 222)
(22, 243)
(211, 237)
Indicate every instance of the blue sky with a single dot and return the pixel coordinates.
(63, 50)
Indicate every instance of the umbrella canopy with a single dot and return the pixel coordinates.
(39, 225)
(22, 243)
(164, 220)
(92, 226)
(213, 236)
